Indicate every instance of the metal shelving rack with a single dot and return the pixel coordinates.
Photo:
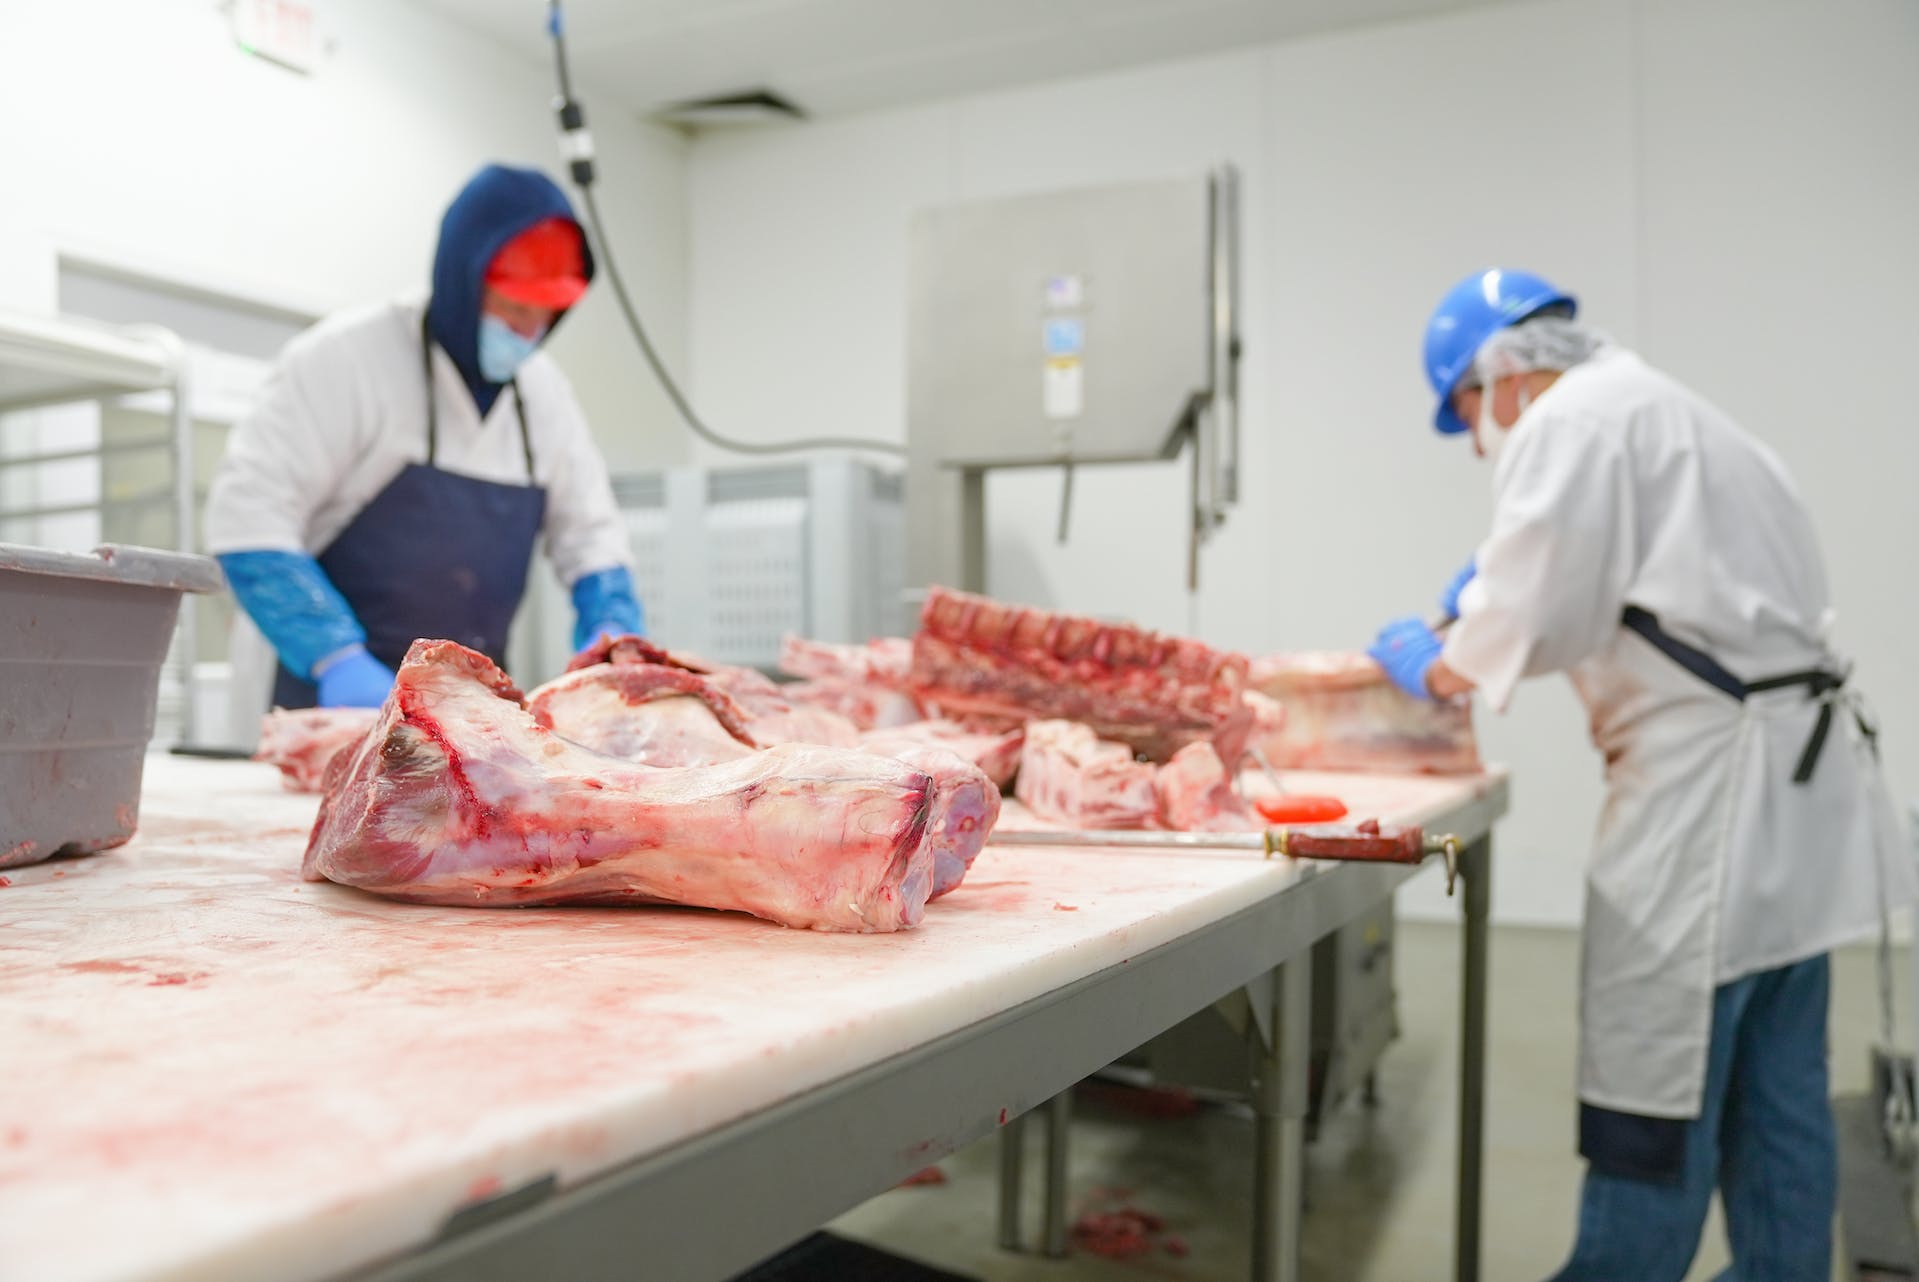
(58, 360)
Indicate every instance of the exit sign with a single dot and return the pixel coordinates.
(282, 31)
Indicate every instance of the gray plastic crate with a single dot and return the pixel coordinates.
(82, 642)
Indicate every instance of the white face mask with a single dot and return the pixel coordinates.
(1493, 437)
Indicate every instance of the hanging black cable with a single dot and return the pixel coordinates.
(577, 146)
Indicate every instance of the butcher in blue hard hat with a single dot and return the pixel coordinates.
(1650, 548)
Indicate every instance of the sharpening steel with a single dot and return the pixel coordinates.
(1366, 843)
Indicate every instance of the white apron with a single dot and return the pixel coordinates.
(1711, 863)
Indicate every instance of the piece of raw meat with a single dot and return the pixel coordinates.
(1071, 776)
(961, 789)
(886, 661)
(1196, 794)
(458, 796)
(773, 718)
(769, 717)
(659, 716)
(866, 705)
(974, 656)
(644, 713)
(1342, 713)
(303, 741)
(995, 752)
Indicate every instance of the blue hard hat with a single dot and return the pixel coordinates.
(1472, 312)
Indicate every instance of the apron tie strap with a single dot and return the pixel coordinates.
(1818, 683)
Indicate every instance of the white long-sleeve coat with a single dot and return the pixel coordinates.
(345, 411)
(1621, 487)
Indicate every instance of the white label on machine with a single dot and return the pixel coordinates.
(1065, 393)
(1064, 291)
(1065, 336)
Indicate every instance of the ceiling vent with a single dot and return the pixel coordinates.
(751, 107)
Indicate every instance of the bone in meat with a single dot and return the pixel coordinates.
(1071, 776)
(1196, 794)
(974, 656)
(1342, 713)
(457, 796)
(302, 741)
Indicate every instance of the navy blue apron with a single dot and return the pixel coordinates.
(435, 554)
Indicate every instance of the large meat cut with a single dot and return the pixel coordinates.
(975, 658)
(1343, 714)
(458, 796)
(639, 705)
(303, 741)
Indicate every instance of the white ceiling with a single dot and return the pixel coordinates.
(836, 56)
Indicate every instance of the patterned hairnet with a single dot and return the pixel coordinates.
(1541, 342)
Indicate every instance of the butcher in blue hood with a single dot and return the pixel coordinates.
(405, 458)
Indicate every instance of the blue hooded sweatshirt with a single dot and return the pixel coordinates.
(497, 204)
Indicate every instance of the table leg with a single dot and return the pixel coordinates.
(1059, 1121)
(1012, 1158)
(1280, 1072)
(1475, 870)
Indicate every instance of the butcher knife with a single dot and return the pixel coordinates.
(1366, 842)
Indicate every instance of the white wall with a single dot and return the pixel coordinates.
(139, 133)
(1731, 186)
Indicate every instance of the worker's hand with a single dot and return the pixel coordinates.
(597, 633)
(1449, 599)
(605, 604)
(1407, 649)
(352, 678)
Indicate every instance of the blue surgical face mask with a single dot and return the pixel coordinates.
(503, 349)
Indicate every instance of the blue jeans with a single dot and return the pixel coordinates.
(1763, 1138)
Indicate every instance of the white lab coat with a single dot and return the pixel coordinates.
(345, 411)
(1619, 486)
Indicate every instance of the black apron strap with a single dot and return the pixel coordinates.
(426, 368)
(526, 433)
(1697, 662)
(1818, 684)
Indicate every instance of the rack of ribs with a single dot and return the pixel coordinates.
(976, 659)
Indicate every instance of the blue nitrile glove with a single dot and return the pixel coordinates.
(298, 610)
(1449, 599)
(353, 679)
(604, 604)
(1407, 649)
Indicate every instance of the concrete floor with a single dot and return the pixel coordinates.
(1379, 1182)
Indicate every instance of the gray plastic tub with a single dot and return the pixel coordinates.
(82, 642)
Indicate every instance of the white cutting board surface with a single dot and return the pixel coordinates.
(211, 1069)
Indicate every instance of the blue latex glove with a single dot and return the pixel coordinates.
(1449, 599)
(604, 604)
(1407, 649)
(353, 679)
(295, 606)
